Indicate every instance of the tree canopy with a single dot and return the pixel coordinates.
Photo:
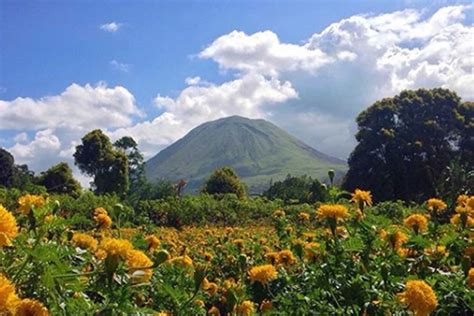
(302, 189)
(59, 179)
(224, 180)
(7, 168)
(405, 142)
(98, 158)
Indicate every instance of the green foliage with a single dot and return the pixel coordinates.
(405, 141)
(302, 189)
(136, 164)
(15, 176)
(224, 180)
(205, 209)
(97, 158)
(7, 166)
(59, 179)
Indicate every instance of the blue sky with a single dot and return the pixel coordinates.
(300, 78)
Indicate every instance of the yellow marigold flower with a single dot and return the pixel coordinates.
(115, 247)
(457, 219)
(396, 239)
(469, 251)
(238, 242)
(7, 295)
(153, 242)
(419, 297)
(163, 314)
(332, 211)
(84, 241)
(136, 260)
(470, 203)
(278, 213)
(311, 249)
(266, 306)
(28, 201)
(309, 236)
(229, 283)
(246, 308)
(211, 288)
(462, 199)
(183, 261)
(362, 198)
(263, 274)
(436, 205)
(286, 257)
(273, 257)
(199, 303)
(417, 222)
(208, 257)
(8, 227)
(103, 221)
(100, 210)
(304, 216)
(28, 307)
(470, 278)
(214, 311)
(437, 252)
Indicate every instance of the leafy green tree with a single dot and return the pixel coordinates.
(7, 168)
(98, 158)
(302, 189)
(224, 180)
(136, 165)
(406, 141)
(59, 179)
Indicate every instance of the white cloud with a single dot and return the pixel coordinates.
(86, 106)
(353, 62)
(192, 81)
(111, 27)
(263, 53)
(21, 137)
(120, 66)
(248, 96)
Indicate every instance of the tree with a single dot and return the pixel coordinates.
(59, 179)
(136, 165)
(97, 158)
(405, 142)
(302, 189)
(7, 168)
(224, 180)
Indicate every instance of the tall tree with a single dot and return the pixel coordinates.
(136, 165)
(59, 179)
(224, 180)
(98, 158)
(7, 168)
(405, 142)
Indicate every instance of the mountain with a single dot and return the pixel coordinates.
(259, 151)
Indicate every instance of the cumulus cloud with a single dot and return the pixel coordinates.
(111, 27)
(86, 106)
(248, 96)
(58, 122)
(263, 53)
(353, 62)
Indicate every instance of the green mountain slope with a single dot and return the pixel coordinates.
(259, 151)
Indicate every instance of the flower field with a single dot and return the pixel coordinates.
(346, 257)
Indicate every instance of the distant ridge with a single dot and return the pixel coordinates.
(259, 151)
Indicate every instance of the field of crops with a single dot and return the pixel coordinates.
(349, 257)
